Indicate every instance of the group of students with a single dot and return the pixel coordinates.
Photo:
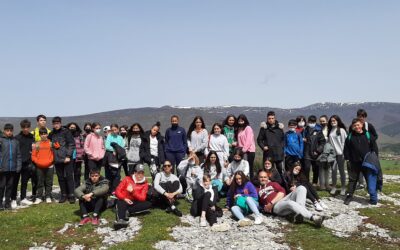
(208, 165)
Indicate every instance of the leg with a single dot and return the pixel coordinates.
(77, 173)
(307, 168)
(25, 176)
(139, 206)
(334, 167)
(98, 206)
(9, 186)
(85, 208)
(237, 212)
(86, 163)
(253, 205)
(371, 183)
(205, 202)
(340, 165)
(61, 179)
(40, 182)
(2, 187)
(315, 169)
(354, 173)
(286, 207)
(250, 159)
(121, 207)
(14, 189)
(69, 177)
(48, 181)
(321, 174)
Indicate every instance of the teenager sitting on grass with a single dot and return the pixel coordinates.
(242, 198)
(92, 195)
(167, 187)
(131, 194)
(273, 200)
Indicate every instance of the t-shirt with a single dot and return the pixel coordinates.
(269, 192)
(154, 146)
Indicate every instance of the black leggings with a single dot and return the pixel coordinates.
(250, 156)
(169, 187)
(204, 204)
(311, 192)
(311, 164)
(136, 207)
(77, 173)
(96, 206)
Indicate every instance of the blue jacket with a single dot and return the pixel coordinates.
(10, 155)
(294, 145)
(371, 161)
(175, 140)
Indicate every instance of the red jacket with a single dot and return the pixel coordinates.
(139, 192)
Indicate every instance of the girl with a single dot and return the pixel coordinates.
(245, 139)
(238, 164)
(197, 138)
(175, 142)
(230, 127)
(133, 142)
(337, 137)
(218, 143)
(243, 199)
(212, 167)
(112, 166)
(94, 147)
(79, 151)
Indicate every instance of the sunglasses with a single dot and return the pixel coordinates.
(167, 165)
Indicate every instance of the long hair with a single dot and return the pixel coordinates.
(339, 122)
(217, 124)
(234, 185)
(129, 133)
(246, 123)
(225, 122)
(193, 126)
(207, 164)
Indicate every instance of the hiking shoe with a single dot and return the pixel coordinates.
(258, 220)
(84, 221)
(48, 200)
(295, 218)
(37, 201)
(26, 202)
(168, 210)
(14, 204)
(318, 206)
(95, 221)
(348, 200)
(318, 220)
(63, 199)
(373, 202)
(245, 222)
(333, 191)
(203, 222)
(177, 212)
(71, 200)
(120, 224)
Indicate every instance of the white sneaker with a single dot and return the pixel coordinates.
(48, 200)
(14, 204)
(220, 227)
(333, 191)
(318, 207)
(37, 201)
(259, 219)
(26, 202)
(245, 222)
(343, 192)
(323, 205)
(203, 222)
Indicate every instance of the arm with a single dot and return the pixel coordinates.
(249, 135)
(225, 148)
(86, 145)
(70, 144)
(19, 157)
(121, 141)
(157, 186)
(321, 142)
(101, 190)
(121, 189)
(260, 139)
(108, 144)
(184, 139)
(79, 191)
(252, 190)
(246, 169)
(141, 195)
(204, 141)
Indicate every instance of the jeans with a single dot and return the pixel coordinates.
(295, 202)
(253, 205)
(96, 206)
(136, 207)
(45, 181)
(372, 185)
(6, 185)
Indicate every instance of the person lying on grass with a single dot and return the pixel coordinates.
(273, 200)
(131, 194)
(92, 195)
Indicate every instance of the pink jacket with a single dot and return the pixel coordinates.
(246, 140)
(94, 147)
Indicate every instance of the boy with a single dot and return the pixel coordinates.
(10, 164)
(43, 157)
(294, 145)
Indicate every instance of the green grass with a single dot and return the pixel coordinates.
(386, 217)
(390, 188)
(390, 167)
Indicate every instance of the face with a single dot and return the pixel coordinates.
(97, 127)
(271, 119)
(114, 130)
(334, 123)
(8, 132)
(267, 165)
(139, 176)
(122, 130)
(296, 170)
(362, 118)
(217, 130)
(198, 123)
(207, 183)
(43, 136)
(72, 127)
(238, 180)
(154, 130)
(358, 127)
(136, 129)
(323, 121)
(241, 122)
(167, 167)
(42, 122)
(87, 128)
(213, 159)
(292, 127)
(174, 121)
(94, 177)
(56, 125)
(263, 178)
(237, 157)
(26, 130)
(231, 121)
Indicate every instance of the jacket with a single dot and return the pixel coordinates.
(25, 145)
(36, 134)
(358, 145)
(98, 189)
(10, 155)
(315, 141)
(271, 136)
(294, 180)
(114, 138)
(63, 143)
(145, 153)
(294, 145)
(371, 161)
(247, 190)
(328, 154)
(94, 147)
(197, 195)
(79, 147)
(245, 140)
(43, 154)
(175, 140)
(139, 192)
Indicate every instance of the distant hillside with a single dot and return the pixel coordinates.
(384, 116)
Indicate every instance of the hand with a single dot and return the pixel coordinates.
(213, 208)
(236, 196)
(234, 144)
(268, 207)
(226, 164)
(129, 188)
(88, 197)
(115, 154)
(265, 148)
(128, 201)
(228, 182)
(67, 160)
(293, 188)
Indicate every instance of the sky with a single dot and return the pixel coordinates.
(77, 57)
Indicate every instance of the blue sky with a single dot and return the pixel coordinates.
(79, 57)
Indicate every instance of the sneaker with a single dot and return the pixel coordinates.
(7, 206)
(71, 200)
(168, 210)
(318, 206)
(26, 202)
(37, 201)
(48, 200)
(220, 227)
(343, 191)
(245, 222)
(295, 218)
(14, 204)
(318, 220)
(95, 221)
(177, 212)
(63, 199)
(180, 196)
(120, 224)
(333, 191)
(348, 200)
(373, 202)
(84, 221)
(323, 205)
(203, 222)
(360, 186)
(258, 220)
